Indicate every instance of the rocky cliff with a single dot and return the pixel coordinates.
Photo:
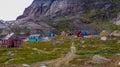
(56, 8)
(70, 14)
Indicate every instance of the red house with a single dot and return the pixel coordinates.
(11, 40)
(79, 34)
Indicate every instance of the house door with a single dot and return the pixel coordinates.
(12, 44)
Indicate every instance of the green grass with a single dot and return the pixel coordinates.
(46, 51)
(95, 46)
(27, 53)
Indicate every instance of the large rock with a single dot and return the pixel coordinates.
(117, 21)
(97, 59)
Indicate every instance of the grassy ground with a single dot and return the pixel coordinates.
(42, 51)
(87, 48)
(33, 52)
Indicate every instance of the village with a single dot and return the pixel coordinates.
(67, 49)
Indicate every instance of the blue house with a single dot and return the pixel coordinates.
(85, 33)
(49, 34)
(0, 40)
(35, 38)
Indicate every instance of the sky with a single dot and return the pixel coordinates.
(11, 9)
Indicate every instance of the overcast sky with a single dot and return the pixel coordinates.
(10, 9)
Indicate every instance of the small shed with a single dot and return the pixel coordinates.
(49, 34)
(35, 38)
(11, 40)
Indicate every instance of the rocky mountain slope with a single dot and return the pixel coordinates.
(56, 8)
(2, 24)
(69, 14)
(117, 20)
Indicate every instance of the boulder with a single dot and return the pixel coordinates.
(43, 65)
(119, 63)
(104, 38)
(97, 59)
(25, 65)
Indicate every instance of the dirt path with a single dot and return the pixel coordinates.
(60, 61)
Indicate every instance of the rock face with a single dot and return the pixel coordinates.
(66, 7)
(117, 21)
(52, 8)
(2, 25)
(68, 14)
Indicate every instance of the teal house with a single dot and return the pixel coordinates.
(35, 38)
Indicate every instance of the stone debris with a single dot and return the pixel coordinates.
(119, 63)
(57, 42)
(10, 53)
(34, 48)
(43, 65)
(9, 61)
(118, 54)
(82, 42)
(46, 39)
(25, 65)
(97, 59)
(118, 42)
(104, 38)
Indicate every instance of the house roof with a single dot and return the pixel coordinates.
(9, 35)
(35, 35)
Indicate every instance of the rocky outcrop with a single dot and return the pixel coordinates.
(2, 24)
(97, 59)
(117, 20)
(57, 8)
(62, 14)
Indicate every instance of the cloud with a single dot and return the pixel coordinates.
(10, 9)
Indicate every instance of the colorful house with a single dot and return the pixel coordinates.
(85, 33)
(0, 41)
(49, 34)
(11, 40)
(35, 38)
(79, 34)
(82, 33)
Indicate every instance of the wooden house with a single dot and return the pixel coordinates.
(11, 40)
